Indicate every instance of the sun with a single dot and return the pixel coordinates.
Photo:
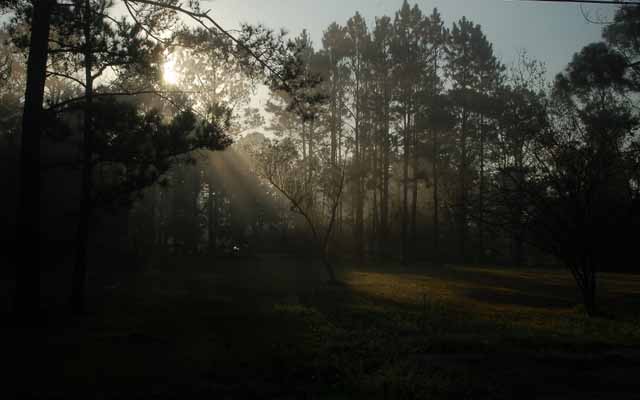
(169, 73)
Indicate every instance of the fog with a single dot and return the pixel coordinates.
(292, 200)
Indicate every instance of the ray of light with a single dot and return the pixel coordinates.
(169, 73)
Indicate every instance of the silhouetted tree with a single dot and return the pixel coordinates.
(279, 163)
(473, 71)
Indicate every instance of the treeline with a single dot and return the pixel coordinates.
(450, 156)
(403, 138)
(413, 109)
(407, 109)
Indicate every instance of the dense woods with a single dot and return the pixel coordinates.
(130, 135)
(401, 138)
(452, 157)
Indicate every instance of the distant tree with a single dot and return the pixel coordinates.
(474, 72)
(381, 62)
(334, 52)
(213, 79)
(298, 108)
(333, 68)
(218, 87)
(408, 54)
(358, 41)
(435, 114)
(520, 112)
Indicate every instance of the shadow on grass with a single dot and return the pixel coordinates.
(271, 328)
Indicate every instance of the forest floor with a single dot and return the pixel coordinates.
(270, 327)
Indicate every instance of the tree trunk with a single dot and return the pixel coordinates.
(481, 200)
(326, 239)
(405, 193)
(340, 230)
(329, 268)
(310, 165)
(359, 203)
(359, 220)
(589, 295)
(462, 210)
(82, 239)
(518, 235)
(386, 179)
(375, 207)
(27, 301)
(154, 217)
(436, 200)
(197, 188)
(518, 247)
(414, 194)
(334, 118)
(212, 218)
(325, 253)
(585, 275)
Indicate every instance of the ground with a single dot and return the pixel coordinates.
(270, 327)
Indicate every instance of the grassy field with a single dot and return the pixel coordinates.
(271, 328)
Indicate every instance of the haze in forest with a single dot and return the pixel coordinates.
(432, 199)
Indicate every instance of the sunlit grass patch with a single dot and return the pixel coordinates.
(496, 301)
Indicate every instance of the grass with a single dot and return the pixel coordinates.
(270, 328)
(516, 304)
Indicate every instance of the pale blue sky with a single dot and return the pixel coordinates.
(551, 33)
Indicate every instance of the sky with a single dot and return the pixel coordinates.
(549, 32)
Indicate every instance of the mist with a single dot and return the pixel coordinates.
(295, 200)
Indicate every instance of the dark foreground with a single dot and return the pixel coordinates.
(270, 328)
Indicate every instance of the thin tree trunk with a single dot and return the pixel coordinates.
(154, 216)
(341, 206)
(359, 220)
(197, 187)
(211, 218)
(334, 117)
(375, 223)
(585, 276)
(463, 191)
(518, 233)
(405, 192)
(27, 300)
(436, 200)
(481, 200)
(518, 248)
(310, 155)
(414, 194)
(435, 156)
(386, 153)
(359, 203)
